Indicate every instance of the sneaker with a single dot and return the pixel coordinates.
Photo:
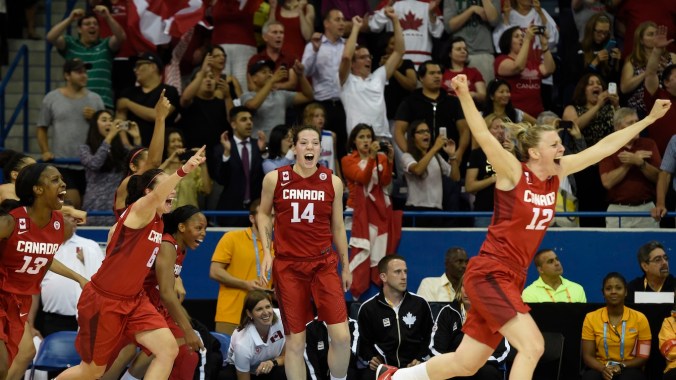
(385, 372)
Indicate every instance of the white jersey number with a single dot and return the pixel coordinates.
(37, 262)
(308, 214)
(541, 218)
(151, 261)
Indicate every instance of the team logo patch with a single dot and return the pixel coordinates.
(258, 350)
(23, 224)
(528, 179)
(57, 225)
(322, 176)
(285, 176)
(320, 345)
(386, 322)
(409, 319)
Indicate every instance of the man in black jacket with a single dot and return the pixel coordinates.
(395, 326)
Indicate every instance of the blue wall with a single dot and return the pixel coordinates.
(586, 255)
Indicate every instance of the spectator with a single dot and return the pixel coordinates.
(634, 71)
(279, 149)
(458, 63)
(584, 10)
(240, 171)
(321, 59)
(90, 48)
(424, 103)
(403, 81)
(363, 91)
(666, 335)
(421, 24)
(349, 8)
(204, 115)
(630, 14)
(268, 104)
(523, 66)
(235, 265)
(395, 325)
(500, 103)
(630, 176)
(11, 163)
(66, 110)
(615, 338)
(233, 22)
(447, 335)
(654, 263)
(474, 24)
(667, 169)
(317, 351)
(196, 184)
(551, 286)
(136, 103)
(446, 287)
(592, 111)
(599, 49)
(298, 19)
(314, 114)
(424, 169)
(228, 87)
(102, 156)
(480, 177)
(656, 72)
(274, 37)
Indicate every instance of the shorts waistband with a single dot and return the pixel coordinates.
(514, 267)
(115, 296)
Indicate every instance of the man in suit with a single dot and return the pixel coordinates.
(241, 167)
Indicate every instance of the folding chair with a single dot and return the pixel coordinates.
(57, 351)
(224, 340)
(549, 366)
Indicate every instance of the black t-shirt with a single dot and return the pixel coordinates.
(444, 111)
(639, 285)
(483, 200)
(149, 99)
(394, 93)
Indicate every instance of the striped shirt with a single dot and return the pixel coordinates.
(101, 57)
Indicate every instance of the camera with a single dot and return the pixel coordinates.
(565, 124)
(124, 126)
(540, 29)
(384, 147)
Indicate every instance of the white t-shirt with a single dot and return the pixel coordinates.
(327, 157)
(247, 349)
(364, 102)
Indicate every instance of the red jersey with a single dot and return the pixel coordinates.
(129, 256)
(151, 279)
(526, 86)
(520, 219)
(28, 252)
(303, 209)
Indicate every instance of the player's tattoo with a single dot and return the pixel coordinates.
(268, 237)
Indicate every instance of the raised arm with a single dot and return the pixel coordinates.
(119, 35)
(55, 35)
(307, 19)
(394, 59)
(510, 68)
(156, 148)
(348, 50)
(652, 81)
(612, 143)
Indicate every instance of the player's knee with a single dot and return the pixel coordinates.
(295, 346)
(94, 371)
(168, 351)
(340, 339)
(533, 349)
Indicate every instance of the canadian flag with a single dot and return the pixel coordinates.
(157, 21)
(376, 230)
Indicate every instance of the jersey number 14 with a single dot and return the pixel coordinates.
(308, 214)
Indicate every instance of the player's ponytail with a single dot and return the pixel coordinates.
(138, 184)
(8, 205)
(527, 136)
(178, 216)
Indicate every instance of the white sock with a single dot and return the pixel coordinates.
(338, 378)
(418, 372)
(128, 376)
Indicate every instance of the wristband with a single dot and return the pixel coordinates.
(274, 363)
(180, 172)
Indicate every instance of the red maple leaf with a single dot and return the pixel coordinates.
(410, 21)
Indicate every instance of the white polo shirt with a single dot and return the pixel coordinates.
(364, 102)
(247, 349)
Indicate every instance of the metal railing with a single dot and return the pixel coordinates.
(22, 105)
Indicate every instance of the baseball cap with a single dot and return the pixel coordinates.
(75, 64)
(149, 57)
(255, 67)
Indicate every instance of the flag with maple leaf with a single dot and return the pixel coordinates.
(410, 22)
(155, 22)
(383, 3)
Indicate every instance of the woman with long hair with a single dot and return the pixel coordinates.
(499, 102)
(633, 71)
(600, 51)
(279, 149)
(616, 339)
(102, 156)
(525, 200)
(11, 163)
(314, 114)
(31, 230)
(257, 346)
(456, 63)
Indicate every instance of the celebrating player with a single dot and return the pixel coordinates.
(525, 200)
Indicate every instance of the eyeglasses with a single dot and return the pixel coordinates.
(423, 132)
(659, 259)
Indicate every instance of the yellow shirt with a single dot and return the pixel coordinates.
(667, 337)
(236, 250)
(636, 337)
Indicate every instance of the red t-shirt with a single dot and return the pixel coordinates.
(473, 76)
(525, 86)
(662, 129)
(129, 45)
(294, 43)
(28, 252)
(129, 256)
(303, 210)
(520, 219)
(634, 187)
(233, 25)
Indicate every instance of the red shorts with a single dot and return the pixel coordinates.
(297, 283)
(104, 320)
(494, 290)
(155, 299)
(13, 316)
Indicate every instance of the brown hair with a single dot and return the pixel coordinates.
(250, 301)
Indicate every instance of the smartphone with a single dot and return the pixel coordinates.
(565, 124)
(612, 88)
(442, 131)
(612, 44)
(540, 30)
(185, 156)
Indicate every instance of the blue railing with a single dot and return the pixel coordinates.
(70, 4)
(5, 127)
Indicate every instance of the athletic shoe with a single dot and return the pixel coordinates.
(385, 372)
